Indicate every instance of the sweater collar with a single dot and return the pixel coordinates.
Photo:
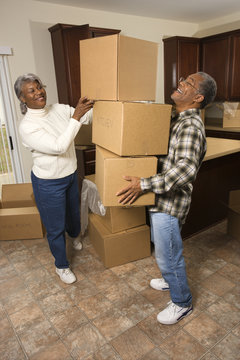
(38, 112)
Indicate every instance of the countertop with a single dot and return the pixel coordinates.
(217, 147)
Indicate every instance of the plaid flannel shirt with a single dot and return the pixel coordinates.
(177, 171)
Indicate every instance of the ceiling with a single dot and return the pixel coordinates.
(193, 11)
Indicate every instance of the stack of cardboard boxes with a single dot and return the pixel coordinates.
(129, 129)
(19, 216)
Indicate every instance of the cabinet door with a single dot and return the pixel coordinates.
(181, 58)
(215, 62)
(234, 83)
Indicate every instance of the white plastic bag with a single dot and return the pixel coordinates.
(90, 199)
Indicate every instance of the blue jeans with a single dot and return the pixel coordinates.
(165, 234)
(58, 204)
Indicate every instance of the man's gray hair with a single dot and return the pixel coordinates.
(207, 88)
(21, 80)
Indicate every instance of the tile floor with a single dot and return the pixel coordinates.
(110, 314)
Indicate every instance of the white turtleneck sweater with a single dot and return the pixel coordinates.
(49, 134)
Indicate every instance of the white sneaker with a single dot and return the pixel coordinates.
(173, 313)
(66, 275)
(77, 244)
(159, 284)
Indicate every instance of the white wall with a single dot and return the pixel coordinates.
(24, 27)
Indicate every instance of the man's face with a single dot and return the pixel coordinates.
(187, 92)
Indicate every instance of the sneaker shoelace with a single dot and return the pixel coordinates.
(67, 271)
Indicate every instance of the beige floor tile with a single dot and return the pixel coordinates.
(122, 270)
(138, 279)
(11, 350)
(182, 346)
(95, 306)
(155, 331)
(11, 246)
(11, 286)
(233, 296)
(158, 298)
(57, 351)
(156, 354)
(56, 303)
(132, 344)
(119, 291)
(202, 298)
(38, 337)
(136, 308)
(81, 290)
(7, 270)
(43, 289)
(84, 341)
(205, 330)
(209, 356)
(231, 272)
(217, 284)
(112, 323)
(27, 317)
(18, 300)
(23, 266)
(68, 320)
(103, 279)
(106, 353)
(227, 315)
(228, 348)
(6, 330)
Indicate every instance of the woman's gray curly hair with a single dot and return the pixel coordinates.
(19, 84)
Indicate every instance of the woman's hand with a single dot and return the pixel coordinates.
(83, 105)
(131, 192)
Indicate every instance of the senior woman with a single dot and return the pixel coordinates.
(49, 132)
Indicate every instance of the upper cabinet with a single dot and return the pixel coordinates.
(221, 58)
(65, 44)
(181, 58)
(217, 55)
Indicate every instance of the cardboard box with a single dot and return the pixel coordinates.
(19, 218)
(131, 128)
(119, 248)
(20, 223)
(123, 218)
(17, 195)
(110, 169)
(118, 67)
(224, 115)
(233, 224)
(84, 136)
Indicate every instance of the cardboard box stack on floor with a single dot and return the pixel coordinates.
(19, 216)
(129, 129)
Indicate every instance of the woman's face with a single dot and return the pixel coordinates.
(34, 95)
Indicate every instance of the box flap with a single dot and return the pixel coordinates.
(17, 195)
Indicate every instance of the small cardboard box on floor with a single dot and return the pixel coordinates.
(121, 247)
(19, 216)
(117, 67)
(131, 128)
(110, 169)
(233, 224)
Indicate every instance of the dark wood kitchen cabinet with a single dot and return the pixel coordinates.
(220, 57)
(65, 44)
(181, 58)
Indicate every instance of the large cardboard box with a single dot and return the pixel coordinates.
(225, 115)
(233, 224)
(123, 218)
(119, 248)
(110, 169)
(131, 128)
(17, 195)
(19, 217)
(20, 223)
(118, 67)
